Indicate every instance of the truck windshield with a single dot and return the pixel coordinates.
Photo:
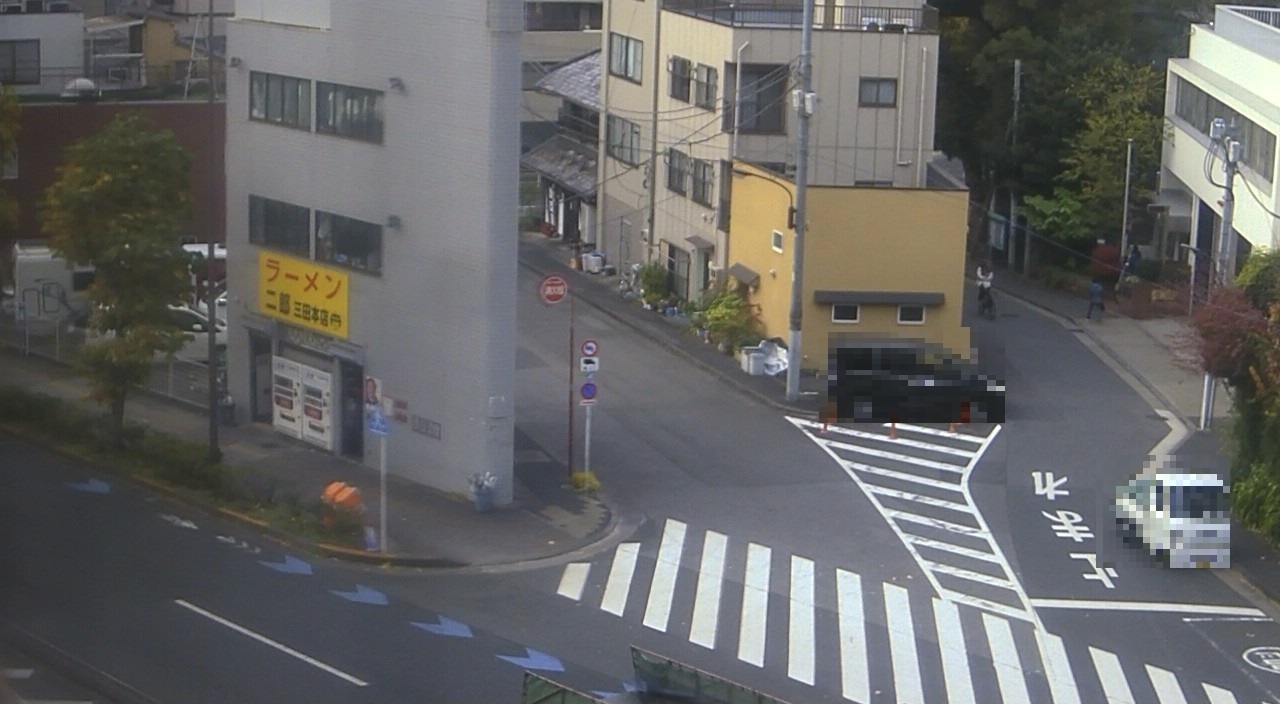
(1198, 502)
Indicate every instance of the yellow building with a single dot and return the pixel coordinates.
(878, 262)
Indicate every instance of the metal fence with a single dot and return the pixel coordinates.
(55, 337)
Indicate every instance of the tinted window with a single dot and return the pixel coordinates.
(1197, 502)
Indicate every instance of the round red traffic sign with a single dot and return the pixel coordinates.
(553, 290)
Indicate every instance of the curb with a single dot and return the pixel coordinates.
(676, 349)
(72, 667)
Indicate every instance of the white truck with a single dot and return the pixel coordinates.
(45, 286)
(1182, 518)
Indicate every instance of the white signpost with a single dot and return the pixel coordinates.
(590, 364)
(374, 400)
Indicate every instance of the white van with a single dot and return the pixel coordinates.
(1183, 518)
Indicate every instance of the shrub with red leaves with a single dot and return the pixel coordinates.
(1233, 336)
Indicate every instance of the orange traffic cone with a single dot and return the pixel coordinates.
(893, 430)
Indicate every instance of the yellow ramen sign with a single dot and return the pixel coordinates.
(303, 293)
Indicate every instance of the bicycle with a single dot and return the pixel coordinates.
(629, 282)
(986, 303)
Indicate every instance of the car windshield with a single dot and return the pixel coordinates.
(1197, 502)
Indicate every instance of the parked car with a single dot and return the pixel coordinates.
(1184, 519)
(195, 347)
(909, 382)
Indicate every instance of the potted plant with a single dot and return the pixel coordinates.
(729, 320)
(482, 486)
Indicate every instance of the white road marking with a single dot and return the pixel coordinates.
(1218, 695)
(1114, 685)
(994, 607)
(661, 590)
(955, 656)
(16, 673)
(706, 602)
(1153, 606)
(1004, 655)
(755, 605)
(877, 437)
(902, 476)
(574, 580)
(970, 575)
(922, 430)
(620, 573)
(800, 645)
(1166, 686)
(267, 641)
(855, 680)
(1177, 431)
(920, 498)
(895, 456)
(902, 646)
(953, 548)
(1057, 669)
(934, 523)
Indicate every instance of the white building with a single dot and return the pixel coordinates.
(41, 45)
(372, 165)
(1232, 72)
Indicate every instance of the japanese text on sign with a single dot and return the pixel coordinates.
(303, 293)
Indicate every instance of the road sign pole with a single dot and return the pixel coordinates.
(586, 442)
(569, 454)
(382, 493)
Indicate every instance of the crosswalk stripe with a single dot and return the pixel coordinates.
(933, 522)
(895, 456)
(1218, 695)
(1166, 686)
(574, 580)
(1114, 686)
(955, 658)
(919, 498)
(800, 646)
(901, 476)
(902, 646)
(922, 430)
(755, 605)
(1057, 669)
(706, 601)
(953, 548)
(855, 679)
(619, 584)
(662, 589)
(995, 607)
(970, 575)
(1004, 655)
(904, 442)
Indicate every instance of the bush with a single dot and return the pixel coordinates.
(1148, 270)
(655, 281)
(729, 319)
(1255, 502)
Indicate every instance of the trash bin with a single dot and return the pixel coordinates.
(484, 500)
(755, 364)
(746, 357)
(227, 412)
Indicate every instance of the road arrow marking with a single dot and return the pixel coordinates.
(92, 486)
(1047, 486)
(236, 543)
(535, 660)
(179, 522)
(363, 595)
(291, 565)
(446, 627)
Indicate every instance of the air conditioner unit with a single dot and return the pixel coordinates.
(644, 235)
(714, 268)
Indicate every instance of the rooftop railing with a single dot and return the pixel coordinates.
(789, 14)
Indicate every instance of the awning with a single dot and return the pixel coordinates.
(901, 298)
(744, 274)
(566, 161)
(700, 242)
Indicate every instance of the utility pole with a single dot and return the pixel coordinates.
(1124, 219)
(804, 103)
(653, 132)
(211, 318)
(1225, 136)
(1013, 198)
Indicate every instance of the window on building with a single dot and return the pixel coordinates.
(1199, 109)
(844, 313)
(20, 62)
(761, 100)
(349, 112)
(910, 315)
(680, 74)
(280, 99)
(677, 171)
(777, 241)
(878, 92)
(623, 140)
(626, 57)
(704, 87)
(562, 16)
(348, 242)
(280, 225)
(704, 174)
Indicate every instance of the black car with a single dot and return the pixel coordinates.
(908, 382)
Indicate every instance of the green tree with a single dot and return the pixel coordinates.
(9, 126)
(118, 204)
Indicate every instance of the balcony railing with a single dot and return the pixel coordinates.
(789, 14)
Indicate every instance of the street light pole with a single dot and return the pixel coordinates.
(804, 106)
(1124, 219)
(211, 318)
(1223, 135)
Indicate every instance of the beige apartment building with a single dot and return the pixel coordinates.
(689, 85)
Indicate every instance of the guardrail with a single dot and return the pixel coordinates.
(788, 14)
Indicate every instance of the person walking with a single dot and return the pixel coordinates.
(986, 275)
(1095, 300)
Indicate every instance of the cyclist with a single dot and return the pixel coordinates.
(986, 303)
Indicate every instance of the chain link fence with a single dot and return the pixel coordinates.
(56, 337)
